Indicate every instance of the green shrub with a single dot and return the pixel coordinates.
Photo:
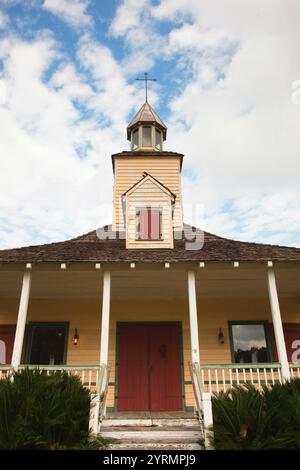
(245, 418)
(38, 411)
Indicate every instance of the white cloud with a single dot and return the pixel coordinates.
(234, 119)
(55, 168)
(4, 20)
(71, 11)
(134, 24)
(128, 16)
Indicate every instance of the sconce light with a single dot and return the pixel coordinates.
(76, 337)
(221, 336)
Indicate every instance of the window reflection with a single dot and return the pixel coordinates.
(249, 343)
(135, 140)
(147, 141)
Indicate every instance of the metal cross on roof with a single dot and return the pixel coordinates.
(146, 80)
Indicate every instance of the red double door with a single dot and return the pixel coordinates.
(149, 367)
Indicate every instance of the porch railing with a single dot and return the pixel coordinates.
(217, 378)
(88, 375)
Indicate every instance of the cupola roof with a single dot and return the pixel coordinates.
(147, 115)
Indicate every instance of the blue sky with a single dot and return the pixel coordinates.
(227, 88)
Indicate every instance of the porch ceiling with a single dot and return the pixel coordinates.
(142, 283)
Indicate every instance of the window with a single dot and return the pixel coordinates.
(135, 139)
(157, 139)
(147, 140)
(249, 342)
(149, 224)
(47, 343)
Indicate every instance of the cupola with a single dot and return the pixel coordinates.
(146, 131)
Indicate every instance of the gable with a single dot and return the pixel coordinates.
(149, 184)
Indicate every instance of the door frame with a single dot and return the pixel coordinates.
(33, 324)
(116, 387)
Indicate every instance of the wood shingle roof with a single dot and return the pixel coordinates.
(89, 247)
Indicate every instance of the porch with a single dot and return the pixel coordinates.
(204, 299)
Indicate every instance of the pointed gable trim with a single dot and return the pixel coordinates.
(148, 177)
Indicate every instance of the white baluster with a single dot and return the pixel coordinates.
(237, 376)
(224, 381)
(209, 381)
(266, 377)
(272, 375)
(217, 380)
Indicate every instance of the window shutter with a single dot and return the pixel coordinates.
(155, 224)
(143, 225)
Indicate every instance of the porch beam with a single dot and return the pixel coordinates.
(277, 323)
(193, 317)
(105, 318)
(21, 322)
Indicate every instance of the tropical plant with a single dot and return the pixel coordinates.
(40, 411)
(246, 418)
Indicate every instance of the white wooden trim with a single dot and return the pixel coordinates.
(21, 322)
(277, 323)
(94, 414)
(146, 178)
(193, 317)
(105, 318)
(207, 420)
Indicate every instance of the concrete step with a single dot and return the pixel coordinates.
(149, 428)
(154, 446)
(150, 436)
(162, 422)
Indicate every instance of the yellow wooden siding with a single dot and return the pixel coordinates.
(130, 170)
(85, 315)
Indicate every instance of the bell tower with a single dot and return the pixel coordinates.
(147, 202)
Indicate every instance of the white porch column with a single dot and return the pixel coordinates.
(105, 318)
(277, 323)
(193, 317)
(21, 322)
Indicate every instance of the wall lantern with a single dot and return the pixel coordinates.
(221, 336)
(76, 337)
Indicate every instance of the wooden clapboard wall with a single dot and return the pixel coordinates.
(129, 170)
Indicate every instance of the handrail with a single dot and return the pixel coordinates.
(203, 406)
(197, 387)
(242, 365)
(57, 367)
(103, 389)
